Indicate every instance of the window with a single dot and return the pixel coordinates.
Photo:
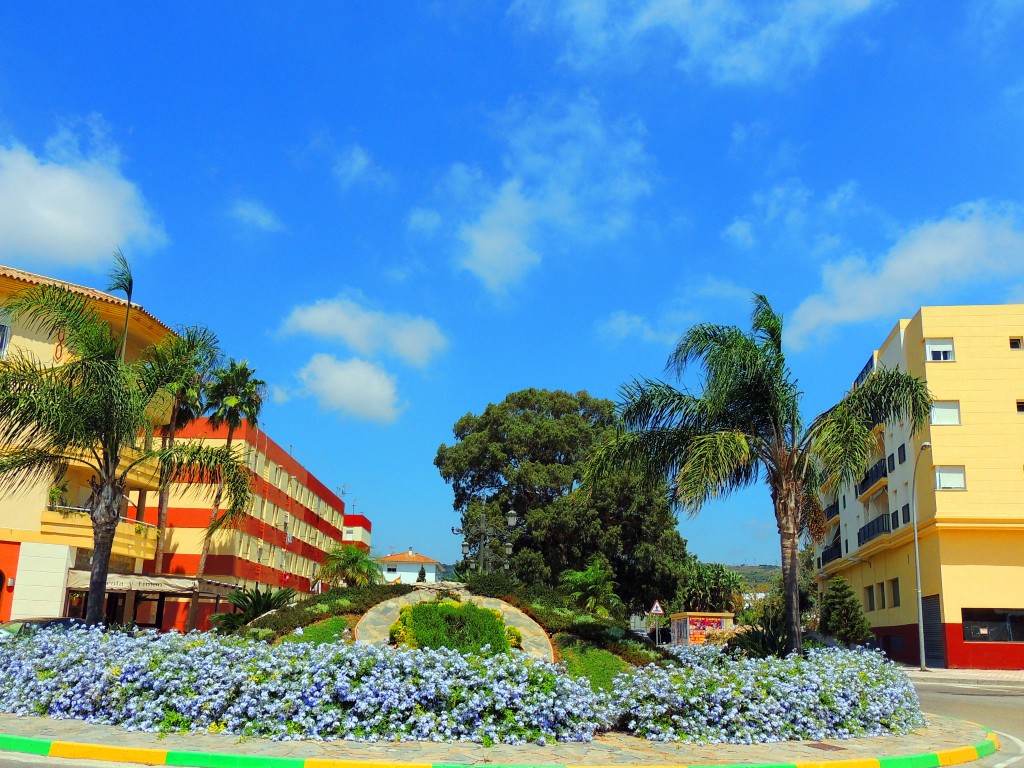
(392, 569)
(1016, 342)
(945, 412)
(869, 598)
(894, 590)
(938, 350)
(950, 479)
(880, 588)
(891, 463)
(993, 625)
(906, 513)
(5, 339)
(1020, 406)
(902, 453)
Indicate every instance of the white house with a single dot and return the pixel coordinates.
(404, 568)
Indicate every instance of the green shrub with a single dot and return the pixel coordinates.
(498, 584)
(765, 637)
(316, 607)
(584, 660)
(446, 624)
(842, 616)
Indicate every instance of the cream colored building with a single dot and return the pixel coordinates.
(968, 489)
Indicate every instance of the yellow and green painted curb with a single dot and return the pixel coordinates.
(71, 749)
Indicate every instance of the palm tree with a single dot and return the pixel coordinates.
(233, 395)
(251, 604)
(194, 352)
(592, 589)
(351, 564)
(745, 425)
(96, 411)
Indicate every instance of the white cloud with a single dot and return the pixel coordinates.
(354, 387)
(425, 221)
(279, 394)
(253, 213)
(732, 41)
(619, 326)
(416, 340)
(353, 165)
(71, 206)
(975, 243)
(568, 176)
(740, 232)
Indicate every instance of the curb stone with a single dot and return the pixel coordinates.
(189, 759)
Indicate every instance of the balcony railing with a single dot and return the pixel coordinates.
(877, 471)
(65, 510)
(874, 529)
(830, 553)
(866, 371)
(832, 510)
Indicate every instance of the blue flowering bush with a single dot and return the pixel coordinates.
(205, 682)
(710, 697)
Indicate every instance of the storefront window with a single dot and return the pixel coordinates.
(1000, 625)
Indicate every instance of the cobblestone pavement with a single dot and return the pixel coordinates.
(606, 750)
(374, 626)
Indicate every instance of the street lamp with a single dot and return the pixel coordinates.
(485, 531)
(917, 559)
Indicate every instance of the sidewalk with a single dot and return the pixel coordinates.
(983, 677)
(944, 742)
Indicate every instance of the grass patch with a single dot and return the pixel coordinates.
(464, 627)
(585, 660)
(334, 602)
(330, 630)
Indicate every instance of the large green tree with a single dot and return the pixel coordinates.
(95, 411)
(352, 565)
(744, 425)
(709, 587)
(234, 396)
(527, 454)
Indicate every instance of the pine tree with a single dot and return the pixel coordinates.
(842, 616)
(422, 576)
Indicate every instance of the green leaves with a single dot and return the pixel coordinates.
(351, 564)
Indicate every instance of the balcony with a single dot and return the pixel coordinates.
(866, 371)
(72, 527)
(876, 476)
(832, 511)
(874, 529)
(830, 553)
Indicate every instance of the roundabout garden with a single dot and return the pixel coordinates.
(325, 687)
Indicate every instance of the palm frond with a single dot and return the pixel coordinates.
(766, 323)
(55, 311)
(22, 468)
(717, 463)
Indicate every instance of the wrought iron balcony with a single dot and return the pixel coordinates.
(832, 510)
(874, 529)
(876, 472)
(830, 553)
(866, 371)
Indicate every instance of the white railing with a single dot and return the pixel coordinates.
(66, 510)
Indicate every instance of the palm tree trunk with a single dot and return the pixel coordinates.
(165, 494)
(789, 535)
(193, 607)
(105, 518)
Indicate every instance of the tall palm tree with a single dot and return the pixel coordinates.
(234, 395)
(351, 564)
(745, 425)
(121, 280)
(193, 351)
(96, 411)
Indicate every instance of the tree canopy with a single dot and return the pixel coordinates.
(528, 454)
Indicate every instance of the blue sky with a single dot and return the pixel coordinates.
(402, 214)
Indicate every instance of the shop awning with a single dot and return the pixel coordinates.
(138, 582)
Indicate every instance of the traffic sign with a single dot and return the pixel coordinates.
(656, 609)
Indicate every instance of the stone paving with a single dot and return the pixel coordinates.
(374, 626)
(605, 750)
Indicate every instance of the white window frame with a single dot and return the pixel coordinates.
(950, 478)
(939, 351)
(947, 413)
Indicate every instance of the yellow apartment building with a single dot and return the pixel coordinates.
(44, 531)
(964, 473)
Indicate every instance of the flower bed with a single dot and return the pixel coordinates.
(711, 697)
(204, 682)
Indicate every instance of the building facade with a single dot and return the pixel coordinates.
(964, 476)
(46, 533)
(294, 520)
(404, 568)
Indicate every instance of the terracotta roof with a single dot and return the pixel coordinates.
(34, 279)
(409, 557)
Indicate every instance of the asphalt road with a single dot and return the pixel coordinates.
(1000, 708)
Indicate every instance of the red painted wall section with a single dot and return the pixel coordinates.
(176, 615)
(9, 551)
(961, 654)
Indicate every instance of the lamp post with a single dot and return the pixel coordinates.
(484, 532)
(917, 558)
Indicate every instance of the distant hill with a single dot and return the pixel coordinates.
(756, 575)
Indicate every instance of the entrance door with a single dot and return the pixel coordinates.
(934, 640)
